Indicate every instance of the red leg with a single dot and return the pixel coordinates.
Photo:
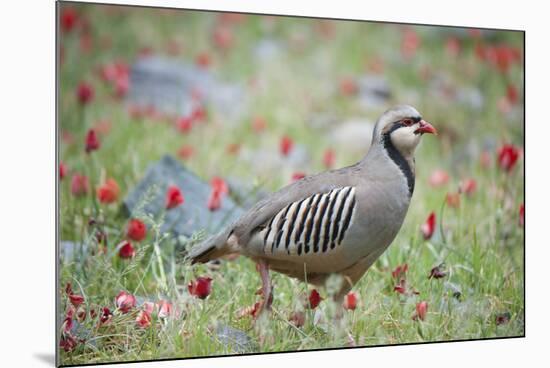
(267, 289)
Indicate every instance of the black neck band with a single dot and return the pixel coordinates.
(398, 158)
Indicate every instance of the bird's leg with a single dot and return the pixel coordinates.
(267, 288)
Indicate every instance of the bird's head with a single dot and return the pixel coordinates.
(401, 126)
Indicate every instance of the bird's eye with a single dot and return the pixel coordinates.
(408, 122)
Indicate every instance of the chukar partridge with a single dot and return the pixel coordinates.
(339, 221)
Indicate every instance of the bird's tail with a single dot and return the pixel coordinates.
(211, 248)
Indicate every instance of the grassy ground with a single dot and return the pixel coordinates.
(480, 241)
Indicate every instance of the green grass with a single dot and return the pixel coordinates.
(481, 242)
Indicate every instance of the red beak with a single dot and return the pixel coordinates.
(426, 127)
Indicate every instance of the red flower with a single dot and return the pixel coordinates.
(452, 45)
(137, 230)
(92, 142)
(219, 189)
(81, 314)
(468, 186)
(108, 192)
(453, 199)
(328, 158)
(165, 308)
(421, 311)
(85, 93)
(203, 60)
(297, 318)
(512, 94)
(314, 299)
(438, 178)
(76, 300)
(143, 319)
(297, 176)
(174, 197)
(286, 145)
(201, 287)
(198, 113)
(126, 250)
(67, 342)
(125, 302)
(251, 310)
(350, 301)
(185, 124)
(79, 185)
(522, 215)
(68, 19)
(105, 315)
(409, 43)
(400, 271)
(507, 157)
(437, 272)
(186, 152)
(62, 170)
(502, 318)
(223, 37)
(348, 87)
(401, 287)
(259, 124)
(428, 227)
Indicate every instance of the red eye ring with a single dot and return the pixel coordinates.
(407, 122)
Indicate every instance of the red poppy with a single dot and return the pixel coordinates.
(400, 271)
(421, 311)
(468, 186)
(437, 272)
(62, 170)
(409, 43)
(137, 230)
(512, 94)
(314, 299)
(165, 309)
(203, 60)
(79, 185)
(198, 113)
(126, 250)
(453, 199)
(350, 301)
(125, 301)
(85, 93)
(108, 192)
(297, 176)
(92, 141)
(428, 227)
(259, 124)
(143, 319)
(438, 178)
(185, 124)
(452, 46)
(174, 197)
(400, 287)
(201, 287)
(329, 158)
(286, 144)
(68, 18)
(219, 189)
(522, 215)
(507, 156)
(105, 315)
(67, 342)
(76, 300)
(185, 152)
(223, 37)
(348, 87)
(81, 314)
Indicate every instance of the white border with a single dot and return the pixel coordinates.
(28, 172)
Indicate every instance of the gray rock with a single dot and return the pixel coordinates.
(373, 91)
(69, 250)
(149, 197)
(234, 341)
(169, 85)
(354, 135)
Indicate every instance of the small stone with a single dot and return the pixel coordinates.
(234, 340)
